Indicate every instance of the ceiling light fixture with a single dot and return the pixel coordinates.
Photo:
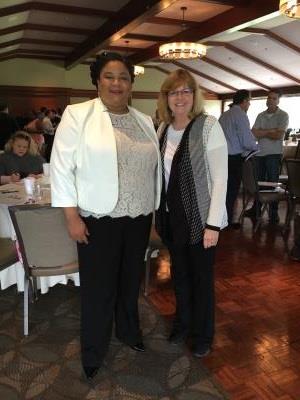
(182, 50)
(290, 8)
(138, 70)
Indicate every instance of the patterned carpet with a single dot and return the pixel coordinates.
(46, 365)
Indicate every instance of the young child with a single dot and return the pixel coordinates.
(20, 159)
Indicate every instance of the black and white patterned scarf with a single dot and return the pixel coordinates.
(188, 178)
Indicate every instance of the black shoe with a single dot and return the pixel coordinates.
(138, 347)
(201, 350)
(177, 337)
(295, 253)
(90, 372)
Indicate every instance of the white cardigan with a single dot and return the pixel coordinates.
(84, 165)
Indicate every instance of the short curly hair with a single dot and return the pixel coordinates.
(104, 58)
(240, 96)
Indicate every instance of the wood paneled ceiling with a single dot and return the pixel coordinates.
(249, 44)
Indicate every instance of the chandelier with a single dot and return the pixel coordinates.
(185, 50)
(290, 8)
(138, 70)
(182, 50)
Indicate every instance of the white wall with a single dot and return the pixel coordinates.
(213, 107)
(147, 106)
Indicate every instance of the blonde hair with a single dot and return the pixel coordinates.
(179, 77)
(32, 147)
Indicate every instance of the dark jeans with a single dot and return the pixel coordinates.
(111, 268)
(235, 163)
(193, 277)
(268, 168)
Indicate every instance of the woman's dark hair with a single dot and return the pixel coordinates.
(104, 58)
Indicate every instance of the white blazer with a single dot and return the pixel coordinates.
(84, 164)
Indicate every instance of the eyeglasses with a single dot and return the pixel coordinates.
(184, 92)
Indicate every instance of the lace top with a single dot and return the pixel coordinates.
(137, 161)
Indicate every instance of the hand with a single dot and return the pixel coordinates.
(77, 229)
(15, 177)
(210, 238)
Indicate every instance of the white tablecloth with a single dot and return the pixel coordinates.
(15, 273)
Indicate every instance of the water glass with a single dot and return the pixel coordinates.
(29, 183)
(46, 169)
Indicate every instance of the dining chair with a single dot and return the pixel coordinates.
(44, 246)
(297, 155)
(261, 197)
(8, 253)
(154, 246)
(293, 169)
(287, 152)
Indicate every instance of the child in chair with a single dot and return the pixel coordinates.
(20, 159)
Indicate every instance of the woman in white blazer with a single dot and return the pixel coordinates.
(106, 174)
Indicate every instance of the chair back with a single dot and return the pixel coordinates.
(43, 238)
(8, 253)
(249, 177)
(293, 169)
(297, 155)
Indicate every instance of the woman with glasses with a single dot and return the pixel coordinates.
(192, 210)
(104, 152)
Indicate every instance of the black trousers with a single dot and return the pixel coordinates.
(111, 267)
(193, 277)
(235, 163)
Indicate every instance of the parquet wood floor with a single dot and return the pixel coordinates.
(257, 345)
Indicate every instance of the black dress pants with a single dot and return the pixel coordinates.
(235, 163)
(193, 277)
(111, 267)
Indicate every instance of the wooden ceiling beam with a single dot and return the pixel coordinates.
(133, 14)
(56, 8)
(21, 54)
(172, 21)
(233, 3)
(45, 52)
(210, 78)
(124, 48)
(234, 72)
(45, 28)
(274, 37)
(220, 23)
(145, 38)
(256, 60)
(54, 43)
